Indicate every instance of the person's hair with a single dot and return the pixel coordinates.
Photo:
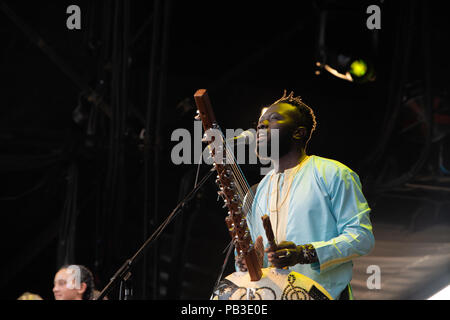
(29, 296)
(307, 117)
(87, 277)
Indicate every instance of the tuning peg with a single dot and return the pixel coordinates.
(220, 194)
(225, 189)
(233, 200)
(207, 136)
(238, 210)
(230, 187)
(227, 173)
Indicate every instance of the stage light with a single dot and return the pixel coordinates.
(444, 294)
(336, 73)
(345, 68)
(344, 50)
(358, 68)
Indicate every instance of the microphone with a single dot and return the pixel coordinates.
(246, 137)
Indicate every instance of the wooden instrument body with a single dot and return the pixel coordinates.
(275, 284)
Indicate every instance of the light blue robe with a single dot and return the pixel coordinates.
(327, 210)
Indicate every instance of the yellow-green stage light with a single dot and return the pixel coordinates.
(358, 68)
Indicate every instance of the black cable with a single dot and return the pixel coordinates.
(149, 170)
(103, 82)
(424, 153)
(66, 241)
(397, 84)
(163, 55)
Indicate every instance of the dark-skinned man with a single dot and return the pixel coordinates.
(318, 212)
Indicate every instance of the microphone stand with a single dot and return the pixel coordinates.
(123, 273)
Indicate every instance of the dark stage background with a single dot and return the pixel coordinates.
(82, 184)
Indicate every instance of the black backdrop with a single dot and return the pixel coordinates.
(90, 192)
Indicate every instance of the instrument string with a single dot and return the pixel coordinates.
(239, 180)
(243, 188)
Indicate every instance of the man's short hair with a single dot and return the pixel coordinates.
(87, 277)
(307, 117)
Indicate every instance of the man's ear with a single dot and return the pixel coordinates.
(83, 287)
(299, 133)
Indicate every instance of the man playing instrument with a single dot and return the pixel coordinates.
(318, 212)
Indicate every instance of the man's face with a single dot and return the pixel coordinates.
(66, 287)
(281, 117)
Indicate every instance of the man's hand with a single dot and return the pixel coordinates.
(259, 247)
(288, 254)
